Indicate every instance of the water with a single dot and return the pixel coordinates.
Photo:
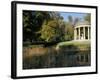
(49, 57)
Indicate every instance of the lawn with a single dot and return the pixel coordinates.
(78, 44)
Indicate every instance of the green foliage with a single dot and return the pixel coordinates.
(51, 31)
(69, 32)
(33, 21)
(72, 20)
(88, 18)
(69, 27)
(47, 26)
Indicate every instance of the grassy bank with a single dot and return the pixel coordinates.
(74, 45)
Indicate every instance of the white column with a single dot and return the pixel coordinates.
(79, 33)
(88, 33)
(84, 32)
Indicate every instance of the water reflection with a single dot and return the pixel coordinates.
(49, 57)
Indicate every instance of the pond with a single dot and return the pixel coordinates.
(49, 57)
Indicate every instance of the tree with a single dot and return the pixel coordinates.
(70, 19)
(51, 31)
(73, 21)
(88, 18)
(69, 32)
(27, 25)
(69, 28)
(32, 23)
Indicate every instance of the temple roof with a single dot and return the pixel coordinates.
(82, 23)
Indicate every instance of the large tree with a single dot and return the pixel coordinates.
(52, 31)
(72, 20)
(32, 23)
(69, 29)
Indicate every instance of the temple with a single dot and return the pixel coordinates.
(82, 31)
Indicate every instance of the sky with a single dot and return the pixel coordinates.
(73, 14)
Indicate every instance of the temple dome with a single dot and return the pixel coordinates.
(82, 23)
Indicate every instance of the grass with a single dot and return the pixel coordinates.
(78, 44)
